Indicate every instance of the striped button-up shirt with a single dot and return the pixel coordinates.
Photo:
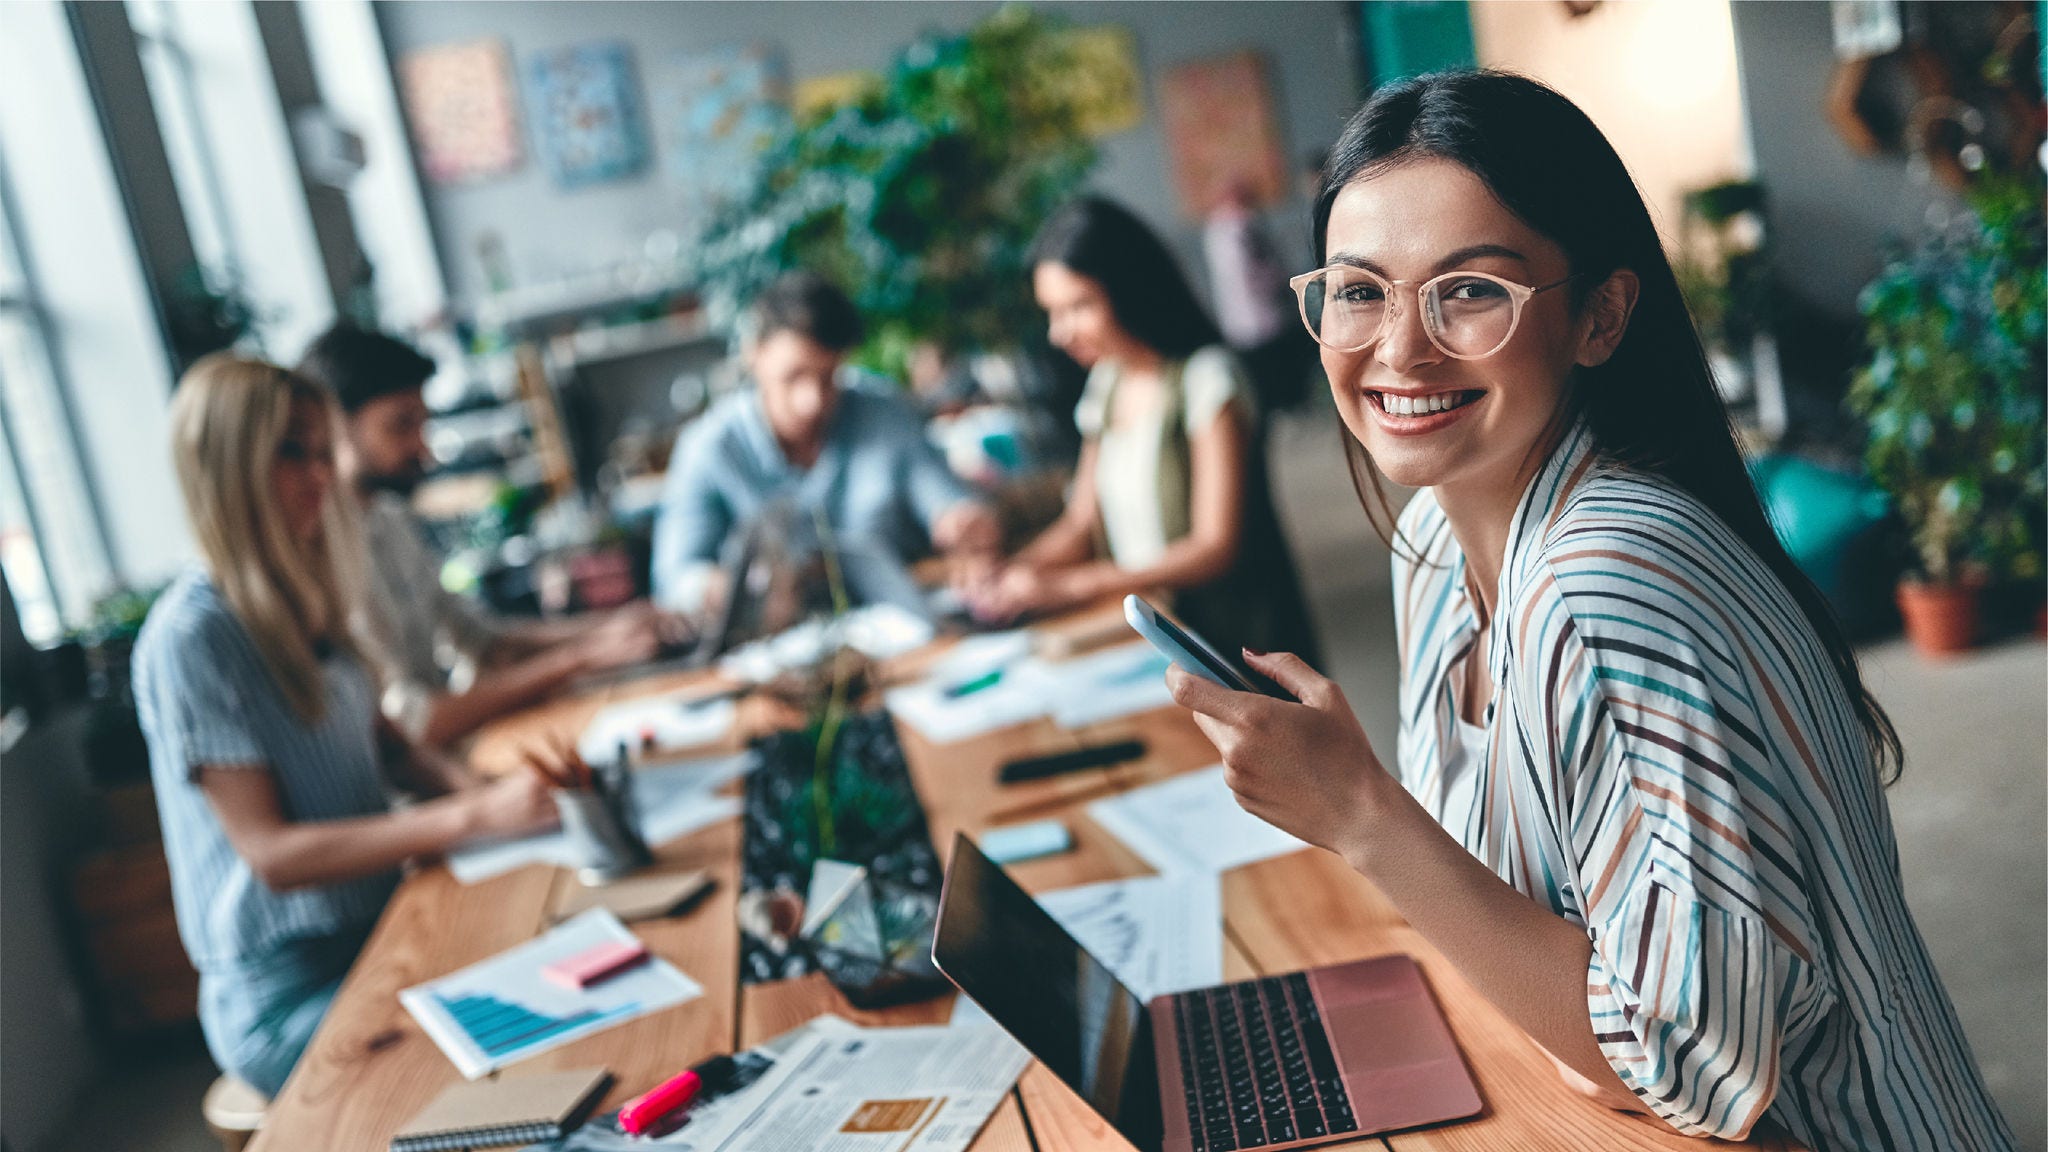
(205, 698)
(1671, 762)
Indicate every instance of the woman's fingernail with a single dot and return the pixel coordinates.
(1254, 652)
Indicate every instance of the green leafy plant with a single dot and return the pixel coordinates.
(1722, 265)
(118, 616)
(919, 196)
(1952, 395)
(201, 316)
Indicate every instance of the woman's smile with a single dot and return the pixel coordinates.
(1420, 413)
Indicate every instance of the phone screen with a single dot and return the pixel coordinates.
(1200, 651)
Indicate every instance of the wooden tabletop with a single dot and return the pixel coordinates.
(370, 1067)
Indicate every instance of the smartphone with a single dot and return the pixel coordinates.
(1194, 654)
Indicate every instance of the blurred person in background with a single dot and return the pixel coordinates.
(454, 665)
(257, 702)
(807, 439)
(1254, 306)
(1170, 494)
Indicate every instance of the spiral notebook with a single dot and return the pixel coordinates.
(510, 1110)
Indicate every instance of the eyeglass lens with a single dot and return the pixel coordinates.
(1465, 315)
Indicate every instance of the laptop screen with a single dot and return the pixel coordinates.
(1062, 1004)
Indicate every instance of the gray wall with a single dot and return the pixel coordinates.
(1832, 210)
(548, 232)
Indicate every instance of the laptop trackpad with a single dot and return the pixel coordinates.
(1389, 1033)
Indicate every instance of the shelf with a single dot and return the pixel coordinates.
(591, 346)
(590, 292)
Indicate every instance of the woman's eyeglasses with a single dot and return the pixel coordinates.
(1467, 315)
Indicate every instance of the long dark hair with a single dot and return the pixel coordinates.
(1652, 405)
(1104, 241)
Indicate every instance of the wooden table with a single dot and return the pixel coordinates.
(370, 1067)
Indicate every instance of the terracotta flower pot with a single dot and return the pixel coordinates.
(1941, 619)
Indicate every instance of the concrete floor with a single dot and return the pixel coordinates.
(1971, 812)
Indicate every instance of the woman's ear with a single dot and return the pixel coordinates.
(1605, 318)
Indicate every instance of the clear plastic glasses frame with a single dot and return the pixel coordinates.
(1467, 315)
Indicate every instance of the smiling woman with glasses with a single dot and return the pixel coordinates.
(1637, 796)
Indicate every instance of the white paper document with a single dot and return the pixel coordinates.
(1159, 934)
(715, 1116)
(656, 722)
(1087, 690)
(945, 718)
(1190, 823)
(1120, 681)
(674, 800)
(925, 1089)
(502, 1010)
(878, 631)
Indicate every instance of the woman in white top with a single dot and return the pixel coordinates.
(1170, 494)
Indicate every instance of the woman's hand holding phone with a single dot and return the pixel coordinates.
(1306, 768)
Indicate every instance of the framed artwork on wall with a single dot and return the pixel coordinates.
(1220, 132)
(713, 111)
(460, 104)
(587, 119)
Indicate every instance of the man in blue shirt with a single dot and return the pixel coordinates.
(802, 445)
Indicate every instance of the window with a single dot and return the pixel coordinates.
(52, 544)
(167, 66)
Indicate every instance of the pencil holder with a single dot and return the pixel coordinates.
(603, 832)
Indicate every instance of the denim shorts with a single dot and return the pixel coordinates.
(258, 1018)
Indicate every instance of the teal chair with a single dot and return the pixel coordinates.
(1832, 524)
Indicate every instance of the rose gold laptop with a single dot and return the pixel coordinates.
(1279, 1062)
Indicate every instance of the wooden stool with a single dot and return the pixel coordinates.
(233, 1112)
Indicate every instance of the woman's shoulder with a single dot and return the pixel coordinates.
(190, 625)
(1212, 377)
(1617, 509)
(1214, 360)
(1631, 556)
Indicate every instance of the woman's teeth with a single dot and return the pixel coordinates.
(1423, 405)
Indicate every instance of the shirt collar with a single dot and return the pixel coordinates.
(1568, 463)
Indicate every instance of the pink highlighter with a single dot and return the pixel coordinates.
(644, 1112)
(596, 965)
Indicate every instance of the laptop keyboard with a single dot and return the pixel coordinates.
(1255, 1063)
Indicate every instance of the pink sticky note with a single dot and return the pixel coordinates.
(596, 965)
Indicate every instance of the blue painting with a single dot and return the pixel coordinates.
(584, 105)
(713, 112)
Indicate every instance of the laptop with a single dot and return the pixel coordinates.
(1278, 1062)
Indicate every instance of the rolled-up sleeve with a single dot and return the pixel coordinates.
(192, 684)
(1693, 983)
(693, 521)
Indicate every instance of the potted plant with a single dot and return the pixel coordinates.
(920, 195)
(1952, 400)
(114, 749)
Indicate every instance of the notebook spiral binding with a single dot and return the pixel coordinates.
(495, 1136)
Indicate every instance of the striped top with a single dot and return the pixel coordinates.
(205, 698)
(1670, 761)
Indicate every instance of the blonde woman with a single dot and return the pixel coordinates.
(264, 738)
